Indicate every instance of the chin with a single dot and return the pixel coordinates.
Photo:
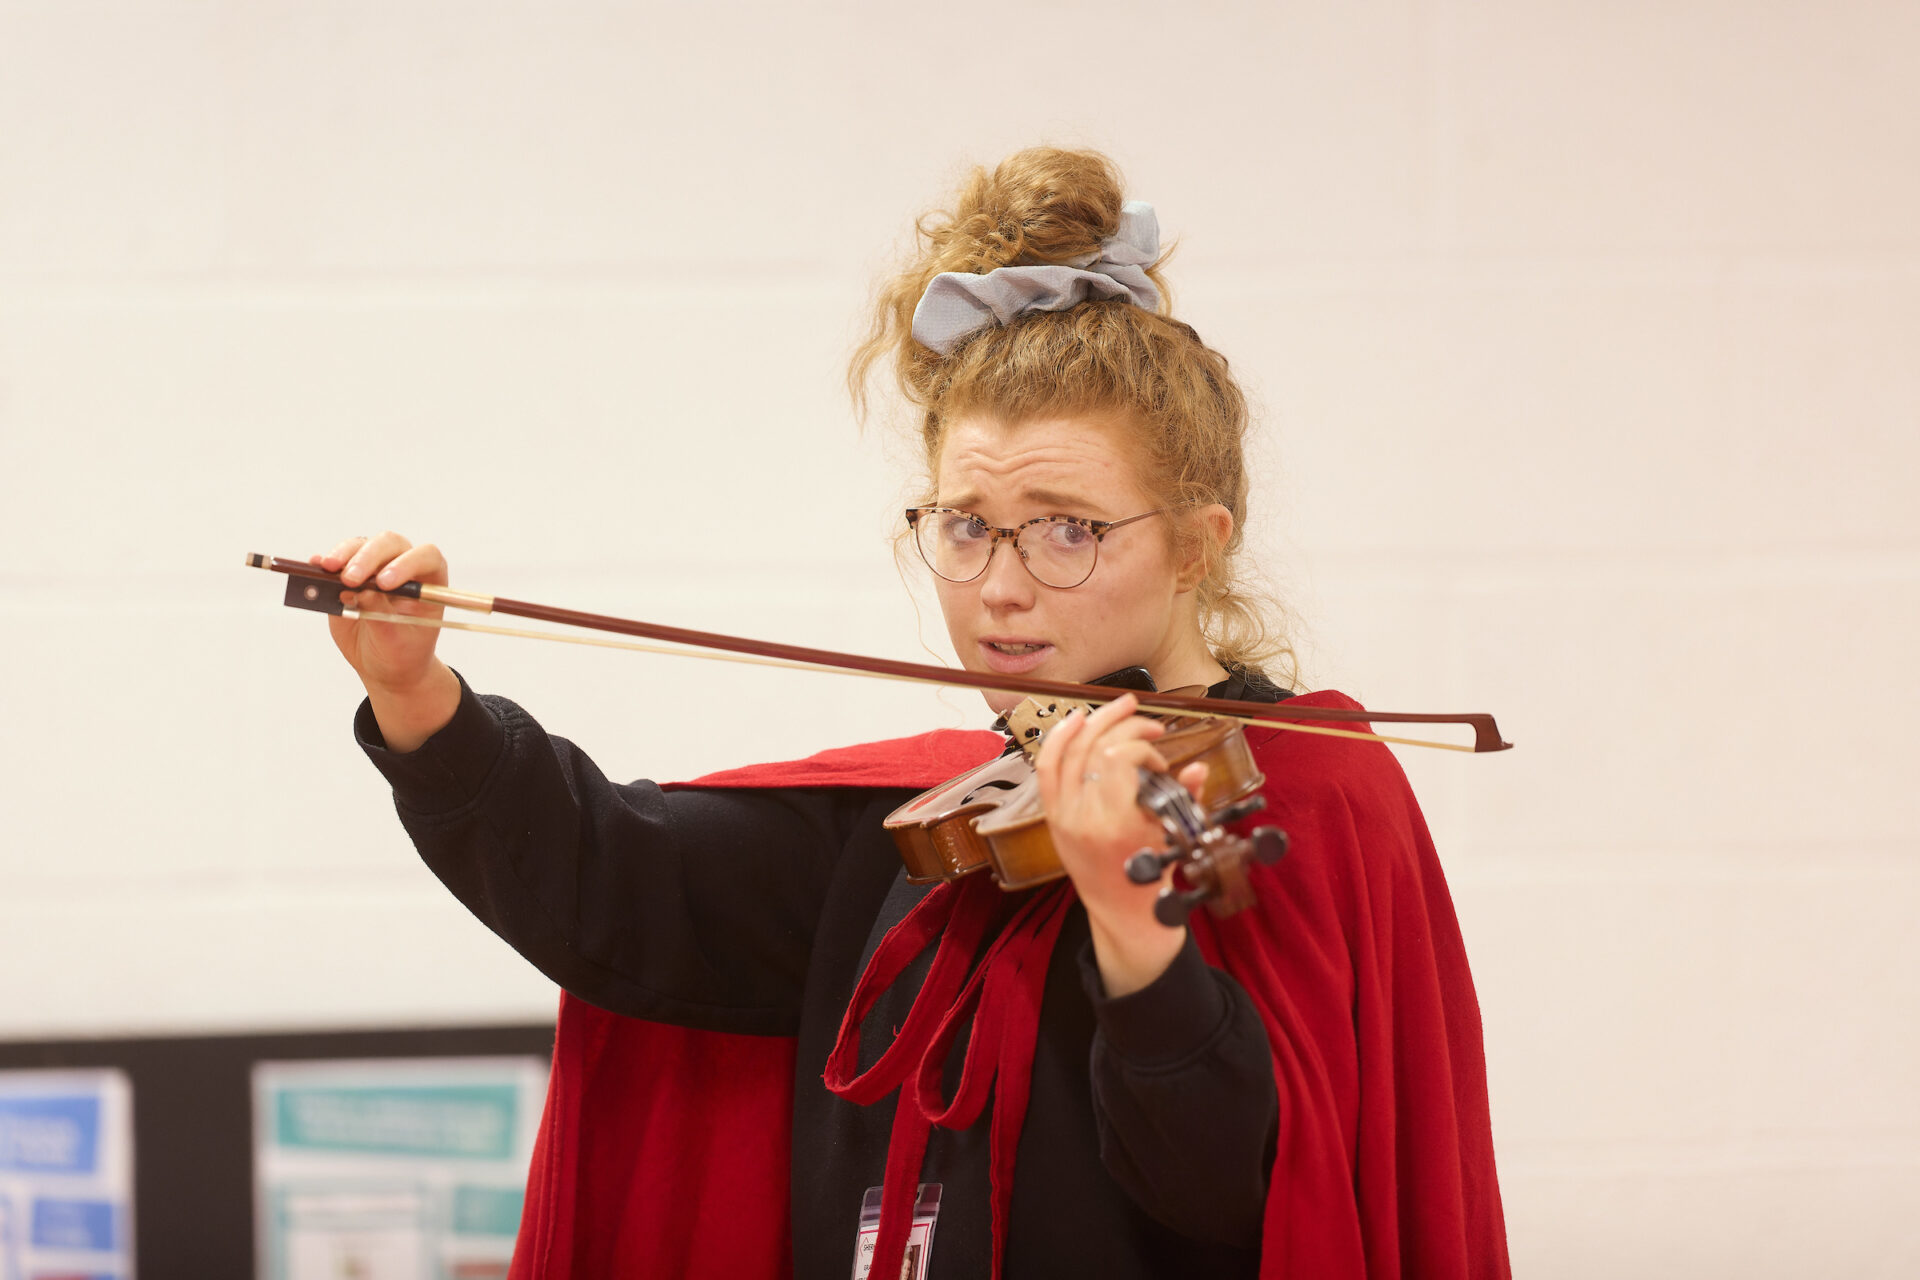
(1003, 701)
(1000, 701)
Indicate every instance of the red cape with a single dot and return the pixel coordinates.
(667, 1152)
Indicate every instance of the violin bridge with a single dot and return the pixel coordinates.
(1033, 717)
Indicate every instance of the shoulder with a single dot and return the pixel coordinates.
(1358, 842)
(920, 761)
(1313, 769)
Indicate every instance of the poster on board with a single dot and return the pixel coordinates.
(66, 1175)
(392, 1169)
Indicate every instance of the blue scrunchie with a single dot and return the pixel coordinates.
(959, 303)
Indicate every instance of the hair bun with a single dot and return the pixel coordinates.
(1041, 205)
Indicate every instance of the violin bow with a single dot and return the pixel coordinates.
(311, 587)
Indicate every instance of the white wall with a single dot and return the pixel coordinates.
(1584, 337)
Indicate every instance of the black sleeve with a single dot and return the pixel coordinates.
(1184, 1097)
(692, 907)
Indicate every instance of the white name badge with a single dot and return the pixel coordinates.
(913, 1264)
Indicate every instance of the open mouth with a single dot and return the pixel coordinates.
(1014, 657)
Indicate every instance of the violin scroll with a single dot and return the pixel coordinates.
(1210, 861)
(1218, 877)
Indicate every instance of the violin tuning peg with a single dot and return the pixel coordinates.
(1174, 905)
(1147, 866)
(1269, 845)
(1237, 810)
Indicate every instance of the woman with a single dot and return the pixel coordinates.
(1298, 1090)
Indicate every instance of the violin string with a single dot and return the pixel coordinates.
(786, 664)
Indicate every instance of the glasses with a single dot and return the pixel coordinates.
(1059, 551)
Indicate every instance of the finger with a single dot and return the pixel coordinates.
(1052, 748)
(423, 563)
(333, 561)
(1107, 795)
(1136, 728)
(377, 550)
(1104, 718)
(1137, 731)
(1074, 752)
(1122, 760)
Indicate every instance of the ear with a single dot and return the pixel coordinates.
(1213, 525)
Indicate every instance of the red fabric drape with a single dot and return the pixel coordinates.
(667, 1152)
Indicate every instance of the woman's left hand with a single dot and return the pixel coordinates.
(1089, 777)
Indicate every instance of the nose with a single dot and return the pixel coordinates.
(1005, 583)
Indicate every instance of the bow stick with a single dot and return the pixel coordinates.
(311, 587)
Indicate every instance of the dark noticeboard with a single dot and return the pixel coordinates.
(193, 1124)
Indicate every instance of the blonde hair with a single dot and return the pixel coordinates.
(1143, 369)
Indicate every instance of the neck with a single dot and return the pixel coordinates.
(1186, 662)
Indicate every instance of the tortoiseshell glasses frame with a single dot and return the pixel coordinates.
(1056, 547)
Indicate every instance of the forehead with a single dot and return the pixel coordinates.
(985, 459)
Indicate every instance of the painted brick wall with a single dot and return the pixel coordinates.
(1577, 333)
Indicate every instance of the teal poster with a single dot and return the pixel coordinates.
(397, 1169)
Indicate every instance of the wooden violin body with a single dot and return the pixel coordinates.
(991, 818)
(935, 830)
(1021, 847)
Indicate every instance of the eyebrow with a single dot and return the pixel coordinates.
(1062, 503)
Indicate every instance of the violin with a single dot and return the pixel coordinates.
(990, 818)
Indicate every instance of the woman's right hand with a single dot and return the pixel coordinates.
(413, 693)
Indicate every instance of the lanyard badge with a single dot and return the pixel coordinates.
(913, 1265)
